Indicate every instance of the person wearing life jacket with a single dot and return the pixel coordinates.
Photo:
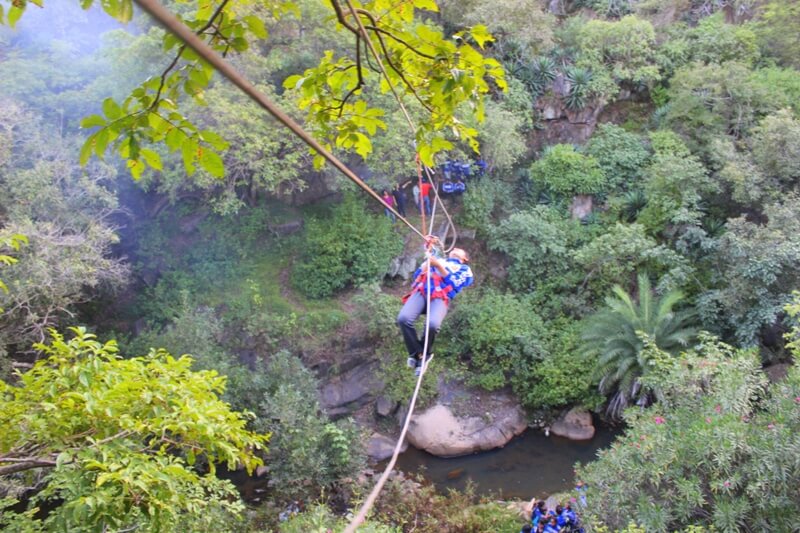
(448, 277)
(552, 526)
(539, 510)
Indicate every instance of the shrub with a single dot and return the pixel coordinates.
(538, 242)
(568, 172)
(621, 155)
(562, 376)
(718, 451)
(309, 453)
(498, 333)
(348, 248)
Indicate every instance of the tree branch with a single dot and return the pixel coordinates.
(23, 464)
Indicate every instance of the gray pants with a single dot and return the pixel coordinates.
(415, 306)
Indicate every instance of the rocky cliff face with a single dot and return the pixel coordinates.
(561, 124)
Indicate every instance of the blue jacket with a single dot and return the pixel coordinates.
(459, 276)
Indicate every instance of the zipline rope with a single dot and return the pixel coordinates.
(180, 30)
(376, 490)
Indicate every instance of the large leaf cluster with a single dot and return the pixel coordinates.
(614, 336)
(498, 333)
(121, 440)
(566, 171)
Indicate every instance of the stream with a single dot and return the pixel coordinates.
(530, 465)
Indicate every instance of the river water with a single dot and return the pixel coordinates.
(530, 465)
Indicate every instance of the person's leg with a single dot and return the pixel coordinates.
(411, 310)
(427, 205)
(437, 313)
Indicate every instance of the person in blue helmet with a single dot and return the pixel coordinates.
(552, 526)
(448, 277)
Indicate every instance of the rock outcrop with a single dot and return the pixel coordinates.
(576, 424)
(441, 432)
(380, 447)
(342, 394)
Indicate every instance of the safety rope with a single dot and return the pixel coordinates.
(376, 490)
(176, 27)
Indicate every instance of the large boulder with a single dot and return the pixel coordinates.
(576, 424)
(440, 432)
(380, 447)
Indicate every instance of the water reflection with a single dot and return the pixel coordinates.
(530, 465)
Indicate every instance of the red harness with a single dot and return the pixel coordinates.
(420, 285)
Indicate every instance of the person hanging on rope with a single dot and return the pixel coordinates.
(448, 277)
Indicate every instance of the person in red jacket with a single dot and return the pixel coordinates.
(424, 195)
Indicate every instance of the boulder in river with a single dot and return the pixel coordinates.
(440, 432)
(380, 447)
(576, 424)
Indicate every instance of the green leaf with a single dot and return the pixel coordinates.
(14, 14)
(86, 150)
(92, 120)
(212, 163)
(214, 140)
(430, 5)
(136, 168)
(151, 158)
(256, 26)
(481, 34)
(189, 153)
(198, 77)
(101, 142)
(169, 42)
(174, 139)
(293, 82)
(111, 109)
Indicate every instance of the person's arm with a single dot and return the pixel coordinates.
(438, 264)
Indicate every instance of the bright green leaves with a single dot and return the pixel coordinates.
(125, 432)
(480, 34)
(443, 76)
(211, 162)
(14, 242)
(150, 115)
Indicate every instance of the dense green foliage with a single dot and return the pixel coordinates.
(615, 335)
(670, 128)
(719, 449)
(350, 247)
(123, 442)
(565, 171)
(309, 452)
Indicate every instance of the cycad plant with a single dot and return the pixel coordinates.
(579, 79)
(614, 335)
